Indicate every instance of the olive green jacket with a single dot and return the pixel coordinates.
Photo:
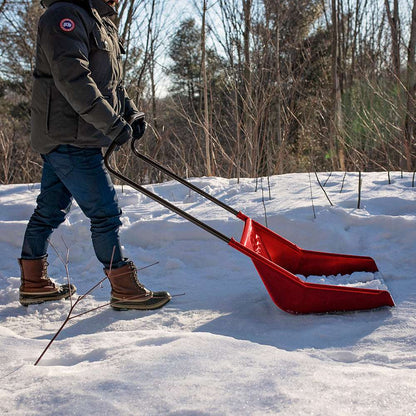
(78, 97)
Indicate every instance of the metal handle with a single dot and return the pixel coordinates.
(162, 201)
(189, 185)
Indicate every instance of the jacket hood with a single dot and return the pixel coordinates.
(100, 6)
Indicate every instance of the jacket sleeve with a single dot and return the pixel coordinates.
(130, 109)
(64, 39)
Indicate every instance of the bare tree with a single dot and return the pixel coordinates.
(336, 135)
(206, 120)
(18, 24)
(2, 5)
(411, 95)
(394, 22)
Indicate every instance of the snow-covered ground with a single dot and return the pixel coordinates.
(223, 348)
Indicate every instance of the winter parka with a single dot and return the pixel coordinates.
(78, 97)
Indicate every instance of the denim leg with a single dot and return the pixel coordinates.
(53, 203)
(83, 173)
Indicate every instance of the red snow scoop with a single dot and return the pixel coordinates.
(277, 260)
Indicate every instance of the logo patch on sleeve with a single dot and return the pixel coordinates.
(67, 25)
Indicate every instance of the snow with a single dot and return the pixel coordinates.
(362, 280)
(223, 348)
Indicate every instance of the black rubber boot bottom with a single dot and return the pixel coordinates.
(63, 292)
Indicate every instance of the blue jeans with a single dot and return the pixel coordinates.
(71, 172)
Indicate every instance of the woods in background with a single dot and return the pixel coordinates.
(243, 87)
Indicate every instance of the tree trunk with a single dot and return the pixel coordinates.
(279, 136)
(411, 94)
(336, 140)
(248, 90)
(394, 22)
(206, 122)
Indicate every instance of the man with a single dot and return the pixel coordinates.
(79, 105)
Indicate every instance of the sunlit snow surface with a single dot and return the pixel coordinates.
(361, 280)
(223, 348)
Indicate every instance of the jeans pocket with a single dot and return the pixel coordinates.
(60, 161)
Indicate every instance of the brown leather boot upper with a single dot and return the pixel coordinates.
(125, 285)
(34, 277)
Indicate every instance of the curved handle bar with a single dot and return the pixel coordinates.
(162, 201)
(177, 178)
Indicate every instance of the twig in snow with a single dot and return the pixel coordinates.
(268, 185)
(68, 317)
(310, 187)
(327, 197)
(326, 180)
(79, 299)
(64, 262)
(262, 200)
(359, 190)
(12, 372)
(343, 180)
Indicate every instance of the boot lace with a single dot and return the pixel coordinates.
(45, 276)
(134, 275)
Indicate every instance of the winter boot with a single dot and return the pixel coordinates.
(128, 293)
(37, 287)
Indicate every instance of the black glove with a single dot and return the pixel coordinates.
(139, 126)
(124, 136)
